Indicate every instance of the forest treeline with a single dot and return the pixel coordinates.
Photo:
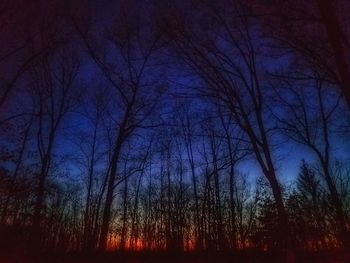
(176, 125)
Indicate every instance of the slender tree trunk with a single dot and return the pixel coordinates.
(233, 206)
(343, 232)
(124, 219)
(106, 216)
(87, 214)
(109, 198)
(197, 227)
(134, 222)
(324, 159)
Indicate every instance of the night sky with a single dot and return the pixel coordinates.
(121, 123)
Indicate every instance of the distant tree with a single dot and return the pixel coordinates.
(222, 51)
(55, 95)
(265, 236)
(93, 150)
(308, 119)
(310, 214)
(246, 206)
(20, 153)
(132, 79)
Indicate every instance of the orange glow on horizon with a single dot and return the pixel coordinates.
(189, 244)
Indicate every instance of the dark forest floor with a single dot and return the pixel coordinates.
(158, 257)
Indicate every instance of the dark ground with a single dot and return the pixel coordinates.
(157, 257)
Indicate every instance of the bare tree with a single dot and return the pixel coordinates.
(25, 136)
(55, 93)
(227, 63)
(137, 94)
(311, 124)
